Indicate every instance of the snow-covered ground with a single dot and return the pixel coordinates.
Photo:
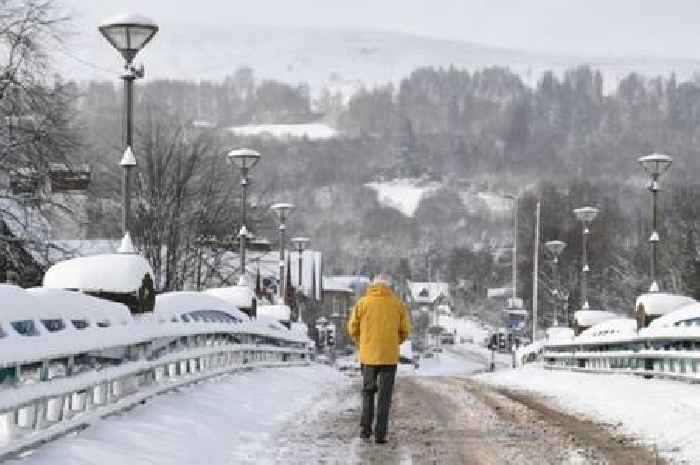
(404, 194)
(232, 419)
(312, 131)
(661, 412)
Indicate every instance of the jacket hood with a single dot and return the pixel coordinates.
(379, 290)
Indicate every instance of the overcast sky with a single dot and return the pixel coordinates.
(652, 28)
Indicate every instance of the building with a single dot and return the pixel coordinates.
(427, 300)
(337, 300)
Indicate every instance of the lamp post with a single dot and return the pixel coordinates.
(245, 160)
(555, 248)
(514, 263)
(128, 34)
(655, 166)
(301, 243)
(282, 210)
(586, 215)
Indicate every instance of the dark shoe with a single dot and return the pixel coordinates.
(365, 435)
(380, 439)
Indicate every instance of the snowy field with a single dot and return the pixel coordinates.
(665, 413)
(229, 420)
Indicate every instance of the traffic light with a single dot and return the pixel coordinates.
(331, 338)
(501, 341)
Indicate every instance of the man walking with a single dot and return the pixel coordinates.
(378, 324)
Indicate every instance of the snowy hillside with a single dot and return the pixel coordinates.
(311, 131)
(403, 194)
(341, 60)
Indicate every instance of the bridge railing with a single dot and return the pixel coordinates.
(34, 409)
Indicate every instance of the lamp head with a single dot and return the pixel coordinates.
(244, 158)
(586, 214)
(128, 33)
(300, 242)
(655, 164)
(555, 247)
(282, 210)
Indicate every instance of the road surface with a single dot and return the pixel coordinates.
(451, 419)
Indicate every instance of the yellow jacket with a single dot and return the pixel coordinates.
(378, 324)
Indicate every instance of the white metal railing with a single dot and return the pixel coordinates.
(34, 412)
(673, 357)
(68, 358)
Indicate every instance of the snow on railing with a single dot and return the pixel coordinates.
(668, 352)
(67, 359)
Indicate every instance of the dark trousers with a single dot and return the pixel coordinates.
(377, 379)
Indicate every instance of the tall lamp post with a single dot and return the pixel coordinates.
(555, 248)
(245, 160)
(128, 34)
(514, 258)
(655, 165)
(282, 210)
(301, 243)
(586, 215)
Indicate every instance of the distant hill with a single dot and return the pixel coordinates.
(340, 59)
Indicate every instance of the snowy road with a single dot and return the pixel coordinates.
(442, 414)
(451, 419)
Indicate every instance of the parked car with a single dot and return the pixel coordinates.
(428, 354)
(436, 349)
(324, 359)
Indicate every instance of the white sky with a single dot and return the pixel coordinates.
(601, 28)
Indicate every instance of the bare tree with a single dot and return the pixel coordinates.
(184, 191)
(36, 127)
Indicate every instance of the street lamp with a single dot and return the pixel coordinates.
(586, 215)
(245, 160)
(555, 248)
(282, 210)
(655, 166)
(128, 34)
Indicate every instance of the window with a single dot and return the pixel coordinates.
(25, 327)
(104, 323)
(185, 317)
(80, 324)
(54, 326)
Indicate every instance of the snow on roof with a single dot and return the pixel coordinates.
(592, 317)
(277, 312)
(686, 312)
(128, 18)
(173, 303)
(330, 284)
(613, 328)
(239, 296)
(559, 334)
(428, 292)
(661, 303)
(76, 305)
(120, 273)
(286, 131)
(403, 194)
(300, 327)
